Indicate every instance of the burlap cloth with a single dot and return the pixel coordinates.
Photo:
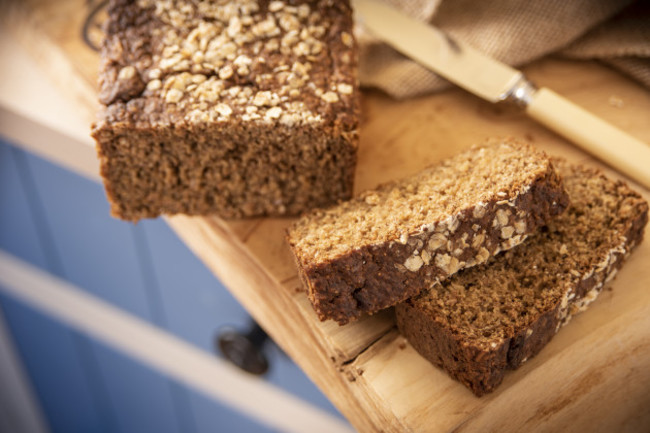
(517, 32)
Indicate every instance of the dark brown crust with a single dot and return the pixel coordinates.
(366, 280)
(480, 370)
(155, 161)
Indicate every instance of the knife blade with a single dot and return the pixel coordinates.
(496, 82)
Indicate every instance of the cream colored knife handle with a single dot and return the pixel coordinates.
(613, 146)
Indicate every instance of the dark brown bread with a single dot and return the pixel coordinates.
(386, 245)
(495, 316)
(235, 108)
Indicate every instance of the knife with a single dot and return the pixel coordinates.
(497, 82)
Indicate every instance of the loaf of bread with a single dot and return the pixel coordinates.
(237, 108)
(386, 245)
(495, 316)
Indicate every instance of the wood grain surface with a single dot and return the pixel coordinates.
(593, 376)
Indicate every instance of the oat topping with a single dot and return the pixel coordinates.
(479, 211)
(271, 55)
(413, 263)
(347, 40)
(507, 232)
(436, 241)
(430, 207)
(330, 97)
(345, 89)
(501, 218)
(520, 226)
(126, 73)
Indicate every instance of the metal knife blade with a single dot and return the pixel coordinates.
(495, 82)
(433, 49)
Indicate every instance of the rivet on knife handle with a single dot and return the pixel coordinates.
(495, 81)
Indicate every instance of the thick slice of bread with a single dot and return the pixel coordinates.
(497, 315)
(386, 245)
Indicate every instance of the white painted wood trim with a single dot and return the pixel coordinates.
(34, 137)
(162, 351)
(19, 409)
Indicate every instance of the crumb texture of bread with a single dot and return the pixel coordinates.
(497, 315)
(241, 108)
(387, 244)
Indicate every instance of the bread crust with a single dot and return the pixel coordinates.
(482, 368)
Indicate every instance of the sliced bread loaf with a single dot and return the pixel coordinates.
(497, 315)
(386, 245)
(236, 108)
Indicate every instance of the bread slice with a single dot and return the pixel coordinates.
(497, 315)
(385, 245)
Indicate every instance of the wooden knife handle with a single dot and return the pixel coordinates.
(613, 146)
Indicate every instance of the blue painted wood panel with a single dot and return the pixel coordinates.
(53, 357)
(193, 301)
(98, 254)
(51, 360)
(18, 233)
(197, 305)
(60, 221)
(194, 305)
(215, 418)
(50, 357)
(143, 399)
(287, 375)
(73, 218)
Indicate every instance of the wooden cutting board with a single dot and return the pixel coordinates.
(593, 376)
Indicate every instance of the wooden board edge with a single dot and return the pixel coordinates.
(251, 284)
(579, 393)
(560, 395)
